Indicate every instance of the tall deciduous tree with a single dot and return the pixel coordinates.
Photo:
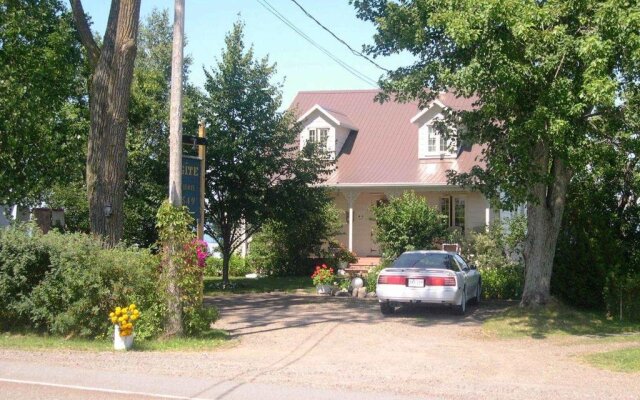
(549, 77)
(110, 89)
(42, 119)
(252, 165)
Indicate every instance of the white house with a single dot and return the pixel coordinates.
(382, 150)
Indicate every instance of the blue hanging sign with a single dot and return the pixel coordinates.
(191, 185)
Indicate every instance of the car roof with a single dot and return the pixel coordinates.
(429, 252)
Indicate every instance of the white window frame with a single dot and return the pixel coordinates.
(436, 145)
(319, 135)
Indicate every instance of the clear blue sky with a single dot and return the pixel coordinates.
(302, 66)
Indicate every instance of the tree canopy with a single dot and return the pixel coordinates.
(43, 120)
(552, 79)
(253, 165)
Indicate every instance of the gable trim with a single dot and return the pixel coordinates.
(327, 114)
(426, 110)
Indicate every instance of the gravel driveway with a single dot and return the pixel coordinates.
(342, 344)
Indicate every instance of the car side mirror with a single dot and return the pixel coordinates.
(473, 266)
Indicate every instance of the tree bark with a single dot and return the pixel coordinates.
(544, 219)
(109, 107)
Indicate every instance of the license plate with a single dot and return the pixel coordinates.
(413, 282)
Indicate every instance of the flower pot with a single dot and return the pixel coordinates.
(323, 289)
(121, 342)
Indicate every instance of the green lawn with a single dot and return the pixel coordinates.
(212, 285)
(624, 360)
(30, 341)
(556, 319)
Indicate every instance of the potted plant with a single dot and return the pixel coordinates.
(323, 277)
(124, 319)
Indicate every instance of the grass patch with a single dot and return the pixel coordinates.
(31, 341)
(623, 360)
(555, 319)
(213, 285)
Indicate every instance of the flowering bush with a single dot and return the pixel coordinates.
(197, 253)
(323, 275)
(125, 318)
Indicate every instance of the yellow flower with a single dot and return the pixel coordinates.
(132, 307)
(114, 320)
(133, 317)
(111, 314)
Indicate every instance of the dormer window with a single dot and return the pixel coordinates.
(319, 136)
(431, 144)
(437, 144)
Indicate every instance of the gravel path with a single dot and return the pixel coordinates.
(343, 344)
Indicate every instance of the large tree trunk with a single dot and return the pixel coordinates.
(109, 107)
(544, 218)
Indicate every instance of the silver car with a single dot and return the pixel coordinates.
(429, 276)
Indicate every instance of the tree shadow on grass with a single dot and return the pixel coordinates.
(554, 319)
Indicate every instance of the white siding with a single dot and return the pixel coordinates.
(317, 121)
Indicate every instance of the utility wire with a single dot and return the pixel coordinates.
(355, 52)
(353, 71)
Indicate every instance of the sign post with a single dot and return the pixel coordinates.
(202, 151)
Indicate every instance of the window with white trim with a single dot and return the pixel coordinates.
(432, 143)
(319, 136)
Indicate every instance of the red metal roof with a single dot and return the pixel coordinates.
(384, 151)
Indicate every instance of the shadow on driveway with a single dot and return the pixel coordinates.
(247, 314)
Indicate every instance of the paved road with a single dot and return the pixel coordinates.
(308, 347)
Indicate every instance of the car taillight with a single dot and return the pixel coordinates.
(392, 280)
(440, 281)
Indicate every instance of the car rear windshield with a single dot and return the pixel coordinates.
(421, 260)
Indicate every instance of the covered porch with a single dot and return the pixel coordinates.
(465, 210)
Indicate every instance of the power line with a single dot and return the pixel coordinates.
(355, 52)
(350, 69)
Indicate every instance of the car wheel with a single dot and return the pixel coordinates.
(386, 308)
(478, 296)
(461, 309)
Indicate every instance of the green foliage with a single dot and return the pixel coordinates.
(72, 197)
(24, 260)
(43, 113)
(372, 277)
(407, 223)
(553, 82)
(597, 263)
(179, 245)
(68, 283)
(283, 246)
(238, 266)
(498, 256)
(253, 171)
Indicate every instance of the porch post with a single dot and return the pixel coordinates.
(351, 199)
(487, 214)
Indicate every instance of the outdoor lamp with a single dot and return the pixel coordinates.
(107, 210)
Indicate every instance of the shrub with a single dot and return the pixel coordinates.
(498, 256)
(24, 260)
(407, 223)
(238, 266)
(72, 282)
(372, 277)
(283, 248)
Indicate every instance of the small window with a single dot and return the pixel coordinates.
(454, 209)
(436, 143)
(319, 136)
